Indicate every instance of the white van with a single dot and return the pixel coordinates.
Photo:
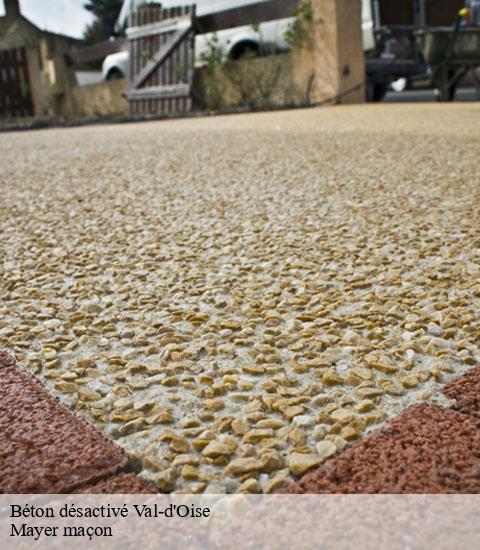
(234, 42)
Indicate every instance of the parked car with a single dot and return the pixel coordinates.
(235, 42)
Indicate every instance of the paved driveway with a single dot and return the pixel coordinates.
(233, 299)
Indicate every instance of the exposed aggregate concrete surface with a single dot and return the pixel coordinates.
(234, 299)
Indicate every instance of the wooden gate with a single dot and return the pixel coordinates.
(162, 53)
(15, 92)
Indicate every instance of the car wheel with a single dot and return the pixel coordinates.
(245, 50)
(115, 74)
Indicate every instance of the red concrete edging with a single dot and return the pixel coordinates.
(466, 391)
(46, 448)
(425, 449)
(126, 484)
(6, 360)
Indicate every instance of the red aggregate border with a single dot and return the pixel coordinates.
(125, 484)
(6, 360)
(46, 448)
(466, 391)
(425, 449)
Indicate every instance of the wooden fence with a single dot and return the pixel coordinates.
(15, 91)
(162, 53)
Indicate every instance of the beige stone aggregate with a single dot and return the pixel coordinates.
(231, 299)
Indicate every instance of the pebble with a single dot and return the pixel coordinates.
(325, 449)
(434, 329)
(343, 416)
(243, 466)
(249, 486)
(299, 463)
(216, 449)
